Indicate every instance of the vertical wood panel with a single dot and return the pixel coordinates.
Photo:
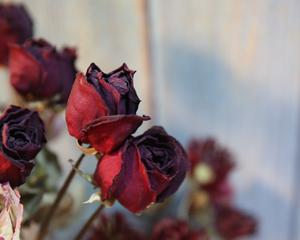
(231, 69)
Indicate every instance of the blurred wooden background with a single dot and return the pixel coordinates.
(228, 69)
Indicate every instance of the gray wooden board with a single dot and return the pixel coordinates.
(230, 69)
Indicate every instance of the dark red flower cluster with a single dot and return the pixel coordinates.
(137, 171)
(113, 227)
(208, 158)
(173, 229)
(116, 226)
(15, 27)
(39, 72)
(22, 137)
(232, 223)
(215, 163)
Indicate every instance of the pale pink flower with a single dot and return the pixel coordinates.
(11, 212)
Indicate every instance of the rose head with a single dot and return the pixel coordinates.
(39, 72)
(232, 223)
(11, 211)
(15, 27)
(210, 163)
(174, 229)
(22, 137)
(101, 109)
(145, 170)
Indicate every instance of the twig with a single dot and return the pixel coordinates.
(89, 222)
(46, 221)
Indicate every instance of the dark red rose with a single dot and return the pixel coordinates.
(113, 227)
(101, 110)
(221, 193)
(232, 223)
(174, 229)
(39, 72)
(145, 170)
(15, 27)
(22, 137)
(211, 160)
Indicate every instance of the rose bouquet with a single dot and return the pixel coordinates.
(141, 172)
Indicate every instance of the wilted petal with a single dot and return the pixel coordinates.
(84, 106)
(133, 189)
(11, 211)
(25, 71)
(15, 27)
(108, 168)
(107, 133)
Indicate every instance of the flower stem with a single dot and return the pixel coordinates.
(46, 221)
(89, 222)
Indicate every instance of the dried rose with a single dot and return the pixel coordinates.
(101, 110)
(146, 169)
(174, 229)
(15, 27)
(210, 163)
(113, 227)
(39, 72)
(22, 137)
(232, 223)
(11, 211)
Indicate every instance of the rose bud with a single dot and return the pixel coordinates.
(145, 170)
(112, 227)
(39, 72)
(101, 109)
(22, 137)
(15, 27)
(232, 223)
(174, 229)
(11, 211)
(210, 163)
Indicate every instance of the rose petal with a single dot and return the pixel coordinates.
(11, 212)
(132, 187)
(109, 132)
(158, 181)
(107, 169)
(84, 105)
(166, 179)
(15, 27)
(14, 171)
(25, 71)
(109, 94)
(182, 167)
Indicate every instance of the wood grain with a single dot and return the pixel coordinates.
(230, 69)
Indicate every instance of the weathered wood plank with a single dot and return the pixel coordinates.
(231, 69)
